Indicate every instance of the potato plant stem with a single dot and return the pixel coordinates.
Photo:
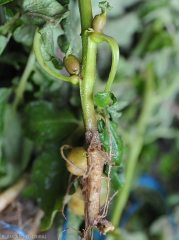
(135, 147)
(86, 87)
(88, 67)
(85, 14)
(92, 183)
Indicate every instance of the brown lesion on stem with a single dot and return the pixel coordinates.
(91, 183)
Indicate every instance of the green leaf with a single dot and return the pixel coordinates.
(63, 43)
(70, 38)
(44, 12)
(47, 46)
(24, 34)
(45, 122)
(116, 141)
(3, 43)
(101, 99)
(49, 182)
(47, 40)
(64, 2)
(4, 92)
(15, 149)
(117, 178)
(57, 63)
(8, 14)
(114, 108)
(5, 1)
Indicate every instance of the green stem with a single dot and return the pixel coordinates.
(74, 79)
(21, 87)
(85, 14)
(89, 46)
(88, 67)
(98, 38)
(135, 148)
(86, 86)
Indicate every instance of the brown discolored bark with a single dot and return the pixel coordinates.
(91, 185)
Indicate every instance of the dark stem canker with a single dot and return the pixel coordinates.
(92, 181)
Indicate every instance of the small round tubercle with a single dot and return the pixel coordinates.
(99, 22)
(72, 64)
